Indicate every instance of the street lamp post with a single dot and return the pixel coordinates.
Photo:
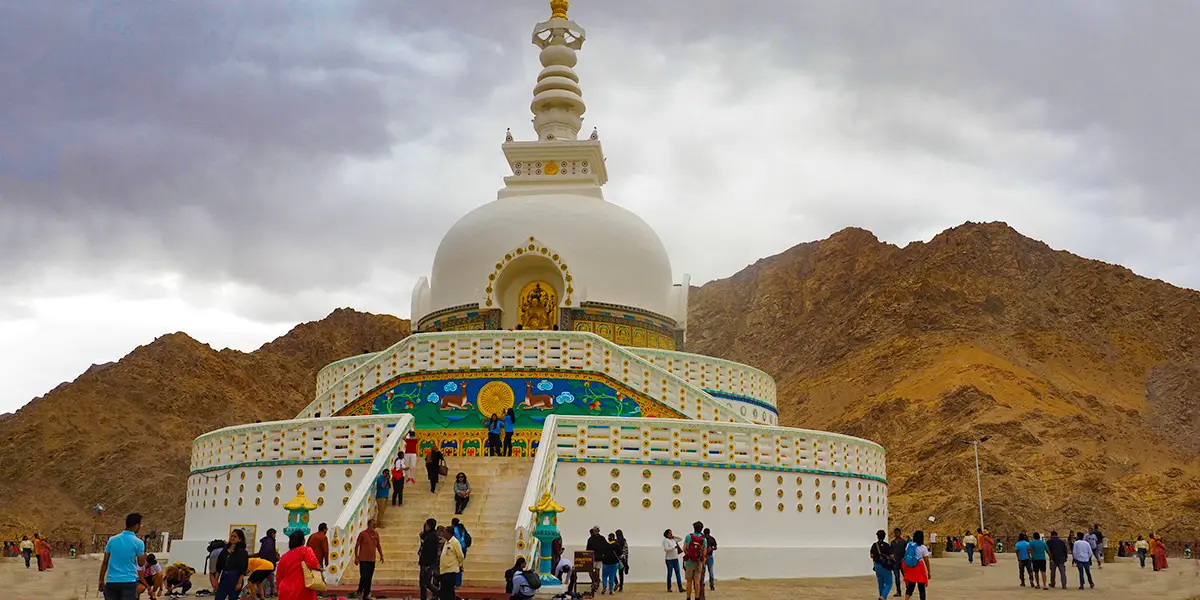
(978, 477)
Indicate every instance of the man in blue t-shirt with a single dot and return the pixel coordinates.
(1037, 551)
(383, 486)
(509, 419)
(123, 554)
(1023, 563)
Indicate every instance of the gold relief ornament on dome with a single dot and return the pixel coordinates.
(551, 168)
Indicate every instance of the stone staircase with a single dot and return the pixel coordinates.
(497, 489)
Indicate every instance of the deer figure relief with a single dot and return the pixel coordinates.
(456, 401)
(538, 401)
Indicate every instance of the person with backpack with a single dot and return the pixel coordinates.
(398, 477)
(522, 584)
(464, 541)
(883, 564)
(916, 565)
(695, 553)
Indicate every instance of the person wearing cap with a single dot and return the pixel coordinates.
(596, 544)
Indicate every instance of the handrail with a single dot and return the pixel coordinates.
(337, 363)
(541, 479)
(726, 409)
(354, 515)
(283, 424)
(703, 357)
(308, 441)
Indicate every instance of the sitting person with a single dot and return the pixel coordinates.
(257, 573)
(518, 581)
(150, 577)
(179, 576)
(462, 493)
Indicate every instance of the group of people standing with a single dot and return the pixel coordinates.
(696, 552)
(37, 548)
(498, 425)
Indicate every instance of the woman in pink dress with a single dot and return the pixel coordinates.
(987, 549)
(289, 576)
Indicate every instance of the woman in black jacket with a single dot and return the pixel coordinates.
(232, 565)
(623, 556)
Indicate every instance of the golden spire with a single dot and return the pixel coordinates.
(546, 504)
(558, 9)
(300, 502)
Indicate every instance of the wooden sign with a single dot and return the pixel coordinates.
(584, 561)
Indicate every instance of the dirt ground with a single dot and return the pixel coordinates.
(952, 578)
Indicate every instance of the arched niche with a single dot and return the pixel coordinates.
(517, 276)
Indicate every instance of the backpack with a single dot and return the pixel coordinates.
(911, 560)
(533, 580)
(884, 553)
(695, 548)
(466, 537)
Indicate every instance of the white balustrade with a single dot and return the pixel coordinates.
(714, 373)
(361, 508)
(541, 480)
(299, 441)
(550, 350)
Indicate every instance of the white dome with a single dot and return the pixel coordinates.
(612, 255)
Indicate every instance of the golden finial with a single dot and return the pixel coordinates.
(558, 9)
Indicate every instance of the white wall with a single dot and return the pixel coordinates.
(766, 543)
(211, 510)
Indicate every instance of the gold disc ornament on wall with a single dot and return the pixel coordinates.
(537, 306)
(495, 398)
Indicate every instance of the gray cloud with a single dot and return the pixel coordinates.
(319, 150)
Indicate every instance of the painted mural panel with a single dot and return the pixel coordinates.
(466, 403)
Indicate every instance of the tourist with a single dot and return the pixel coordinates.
(517, 581)
(450, 565)
(427, 557)
(215, 549)
(672, 551)
(1093, 541)
(708, 563)
(987, 548)
(623, 555)
(1098, 549)
(556, 549)
(462, 493)
(383, 485)
(1037, 557)
(969, 542)
(410, 456)
(1158, 552)
(258, 571)
(123, 553)
(695, 552)
(1058, 558)
(915, 565)
(42, 547)
(178, 575)
(882, 563)
(150, 577)
(435, 461)
(493, 439)
(366, 549)
(1082, 553)
(269, 552)
(610, 560)
(289, 575)
(398, 476)
(564, 570)
(464, 540)
(319, 542)
(232, 564)
(1024, 562)
(898, 546)
(26, 549)
(510, 421)
(595, 545)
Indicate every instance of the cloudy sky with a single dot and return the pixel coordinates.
(231, 168)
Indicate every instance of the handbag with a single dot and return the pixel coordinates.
(443, 470)
(313, 580)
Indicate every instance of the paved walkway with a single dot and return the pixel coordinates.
(953, 578)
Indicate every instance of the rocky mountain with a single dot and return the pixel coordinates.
(120, 434)
(1084, 376)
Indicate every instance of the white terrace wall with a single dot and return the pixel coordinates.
(494, 350)
(243, 475)
(782, 502)
(749, 390)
